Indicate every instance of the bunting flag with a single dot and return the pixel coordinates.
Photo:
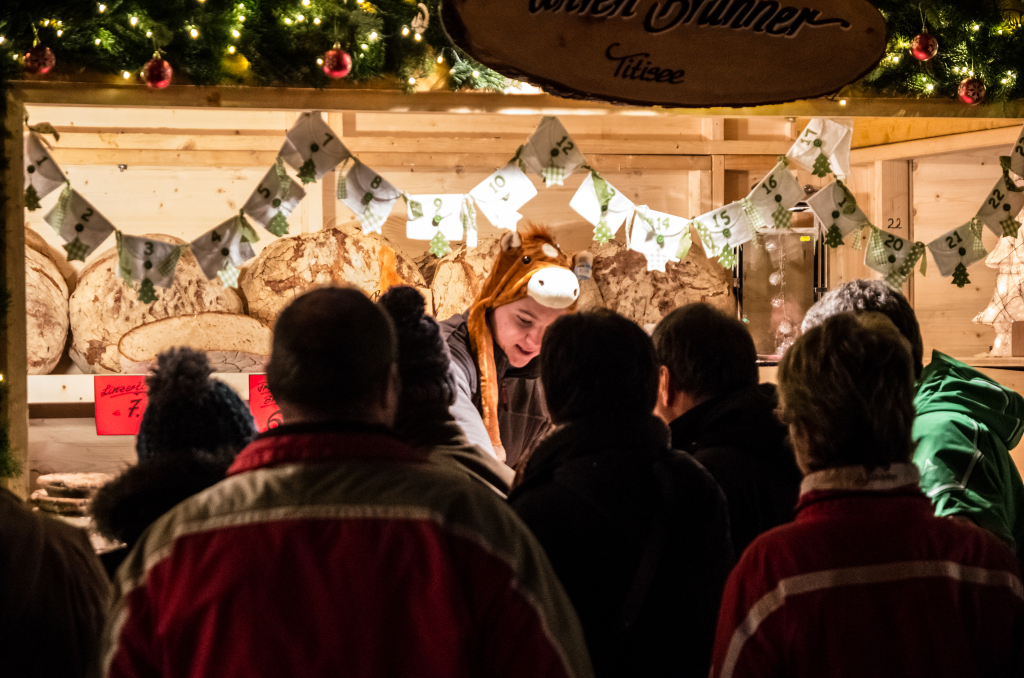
(274, 199)
(722, 230)
(1017, 156)
(42, 174)
(657, 236)
(79, 224)
(551, 152)
(602, 205)
(1000, 210)
(893, 256)
(769, 203)
(955, 250)
(837, 210)
(823, 147)
(312, 148)
(150, 261)
(501, 195)
(370, 196)
(437, 219)
(221, 250)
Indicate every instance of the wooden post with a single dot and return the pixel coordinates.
(13, 348)
(893, 206)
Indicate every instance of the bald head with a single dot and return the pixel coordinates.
(334, 358)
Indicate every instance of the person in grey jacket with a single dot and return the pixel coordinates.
(499, 402)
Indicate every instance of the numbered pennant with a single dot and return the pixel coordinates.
(150, 261)
(312, 148)
(1017, 156)
(274, 199)
(437, 218)
(892, 256)
(551, 152)
(823, 147)
(79, 224)
(658, 237)
(768, 204)
(722, 230)
(602, 205)
(955, 250)
(221, 250)
(837, 210)
(370, 196)
(42, 174)
(501, 195)
(1000, 210)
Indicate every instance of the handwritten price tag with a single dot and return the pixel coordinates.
(120, 402)
(261, 404)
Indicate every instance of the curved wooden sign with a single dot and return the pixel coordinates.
(687, 53)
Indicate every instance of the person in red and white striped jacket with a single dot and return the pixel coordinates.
(867, 581)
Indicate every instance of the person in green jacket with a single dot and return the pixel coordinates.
(966, 423)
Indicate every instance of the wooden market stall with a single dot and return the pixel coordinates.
(177, 162)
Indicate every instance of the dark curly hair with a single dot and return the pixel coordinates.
(423, 360)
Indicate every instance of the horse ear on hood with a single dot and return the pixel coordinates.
(583, 264)
(510, 240)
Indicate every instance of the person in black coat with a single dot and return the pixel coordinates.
(638, 533)
(710, 397)
(191, 431)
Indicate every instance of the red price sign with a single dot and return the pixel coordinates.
(261, 404)
(120, 402)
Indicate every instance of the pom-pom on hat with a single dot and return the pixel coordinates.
(188, 413)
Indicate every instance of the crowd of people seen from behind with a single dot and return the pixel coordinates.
(674, 517)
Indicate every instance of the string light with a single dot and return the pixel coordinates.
(231, 49)
(235, 33)
(440, 58)
(2, 38)
(418, 37)
(194, 33)
(476, 74)
(300, 18)
(373, 36)
(364, 46)
(412, 81)
(97, 41)
(134, 20)
(929, 87)
(126, 74)
(316, 21)
(975, 26)
(842, 102)
(305, 3)
(46, 22)
(241, 18)
(405, 30)
(103, 8)
(59, 33)
(288, 21)
(149, 34)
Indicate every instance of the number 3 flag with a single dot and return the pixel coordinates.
(223, 249)
(551, 152)
(312, 148)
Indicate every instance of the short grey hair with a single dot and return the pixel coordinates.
(862, 296)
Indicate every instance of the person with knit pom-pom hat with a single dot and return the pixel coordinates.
(191, 431)
(423, 419)
(499, 403)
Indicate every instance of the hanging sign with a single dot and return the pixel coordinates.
(690, 53)
(120, 402)
(262, 405)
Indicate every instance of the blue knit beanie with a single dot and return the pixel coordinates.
(189, 414)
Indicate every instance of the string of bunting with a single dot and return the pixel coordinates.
(312, 150)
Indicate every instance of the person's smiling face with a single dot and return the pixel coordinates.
(519, 328)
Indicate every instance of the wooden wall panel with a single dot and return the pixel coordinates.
(948, 190)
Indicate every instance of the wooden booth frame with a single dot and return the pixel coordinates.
(904, 130)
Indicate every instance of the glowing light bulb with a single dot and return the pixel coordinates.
(476, 74)
(46, 22)
(970, 72)
(194, 33)
(319, 62)
(231, 49)
(364, 46)
(842, 102)
(975, 26)
(373, 36)
(149, 34)
(2, 38)
(317, 21)
(235, 34)
(412, 81)
(97, 41)
(440, 59)
(134, 20)
(241, 18)
(300, 18)
(1003, 81)
(103, 8)
(929, 87)
(305, 3)
(418, 37)
(288, 21)
(126, 74)
(405, 30)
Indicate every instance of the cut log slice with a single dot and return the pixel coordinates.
(233, 343)
(103, 308)
(63, 505)
(645, 297)
(335, 256)
(459, 276)
(73, 485)
(46, 306)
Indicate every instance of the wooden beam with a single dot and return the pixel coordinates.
(893, 206)
(1001, 136)
(13, 340)
(340, 98)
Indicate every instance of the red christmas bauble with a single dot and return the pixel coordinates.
(971, 91)
(158, 73)
(337, 62)
(924, 46)
(39, 60)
